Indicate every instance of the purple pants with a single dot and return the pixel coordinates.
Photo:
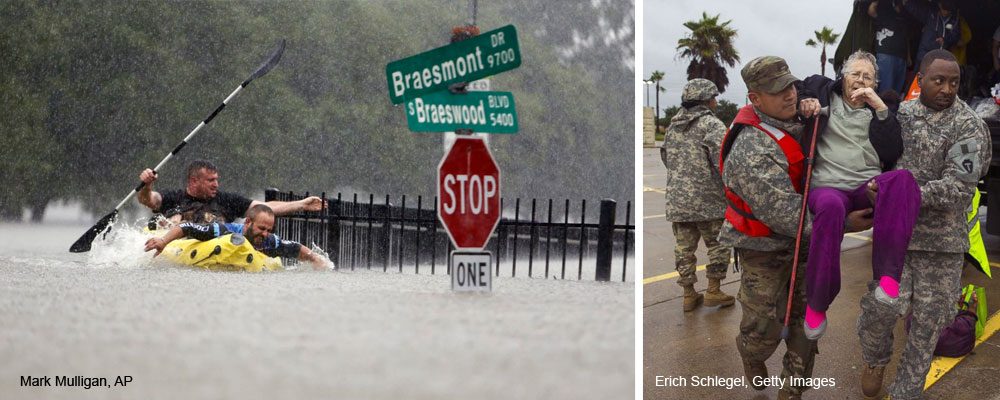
(896, 209)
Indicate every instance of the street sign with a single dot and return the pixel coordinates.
(471, 271)
(468, 193)
(442, 111)
(480, 56)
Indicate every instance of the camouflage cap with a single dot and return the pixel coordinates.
(699, 89)
(767, 74)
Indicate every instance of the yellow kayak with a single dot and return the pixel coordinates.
(231, 252)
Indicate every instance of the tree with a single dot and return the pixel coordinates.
(656, 77)
(824, 37)
(726, 111)
(668, 114)
(710, 48)
(95, 94)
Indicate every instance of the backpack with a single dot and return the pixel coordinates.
(959, 338)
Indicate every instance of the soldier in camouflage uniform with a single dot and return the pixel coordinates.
(758, 172)
(695, 202)
(948, 150)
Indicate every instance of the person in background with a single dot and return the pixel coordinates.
(891, 44)
(941, 29)
(695, 200)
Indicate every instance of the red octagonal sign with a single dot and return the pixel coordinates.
(469, 193)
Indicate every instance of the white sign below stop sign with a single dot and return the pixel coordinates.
(469, 193)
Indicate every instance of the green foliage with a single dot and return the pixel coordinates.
(668, 114)
(724, 111)
(94, 92)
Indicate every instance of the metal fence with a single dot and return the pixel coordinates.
(553, 241)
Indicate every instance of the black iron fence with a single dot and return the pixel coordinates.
(556, 240)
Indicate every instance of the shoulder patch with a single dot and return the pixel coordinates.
(964, 156)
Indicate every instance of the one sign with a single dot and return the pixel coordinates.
(468, 193)
(471, 271)
(442, 111)
(480, 56)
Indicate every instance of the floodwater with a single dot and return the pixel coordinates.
(186, 333)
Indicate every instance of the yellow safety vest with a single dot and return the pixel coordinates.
(977, 251)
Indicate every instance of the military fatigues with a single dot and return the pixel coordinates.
(688, 234)
(947, 151)
(756, 169)
(695, 200)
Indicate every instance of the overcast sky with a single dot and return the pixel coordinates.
(772, 27)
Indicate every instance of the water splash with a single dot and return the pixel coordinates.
(326, 265)
(122, 247)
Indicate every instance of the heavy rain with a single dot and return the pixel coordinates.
(96, 92)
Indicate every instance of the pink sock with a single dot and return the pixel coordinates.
(889, 286)
(814, 318)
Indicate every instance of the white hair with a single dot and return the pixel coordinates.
(861, 55)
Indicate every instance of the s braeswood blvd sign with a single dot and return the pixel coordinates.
(478, 57)
(491, 112)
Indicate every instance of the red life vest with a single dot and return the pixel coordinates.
(738, 212)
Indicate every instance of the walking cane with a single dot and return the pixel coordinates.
(802, 218)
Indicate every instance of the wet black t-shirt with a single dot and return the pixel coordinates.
(890, 33)
(229, 206)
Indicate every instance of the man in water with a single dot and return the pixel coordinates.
(256, 228)
(202, 202)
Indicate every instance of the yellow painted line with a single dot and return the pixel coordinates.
(648, 175)
(654, 216)
(995, 265)
(941, 365)
(649, 189)
(667, 276)
(671, 275)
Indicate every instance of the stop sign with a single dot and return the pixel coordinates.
(469, 193)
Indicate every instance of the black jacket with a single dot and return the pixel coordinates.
(884, 135)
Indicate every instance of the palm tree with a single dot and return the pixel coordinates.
(823, 37)
(656, 77)
(710, 47)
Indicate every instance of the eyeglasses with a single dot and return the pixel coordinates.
(862, 76)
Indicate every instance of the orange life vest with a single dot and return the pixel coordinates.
(738, 212)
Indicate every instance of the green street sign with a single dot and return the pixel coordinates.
(480, 56)
(490, 112)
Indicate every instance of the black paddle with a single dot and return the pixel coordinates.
(83, 243)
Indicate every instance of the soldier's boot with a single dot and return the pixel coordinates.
(871, 380)
(715, 297)
(691, 298)
(755, 369)
(785, 395)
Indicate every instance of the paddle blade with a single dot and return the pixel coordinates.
(82, 245)
(266, 66)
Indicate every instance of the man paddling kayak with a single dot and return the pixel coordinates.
(202, 202)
